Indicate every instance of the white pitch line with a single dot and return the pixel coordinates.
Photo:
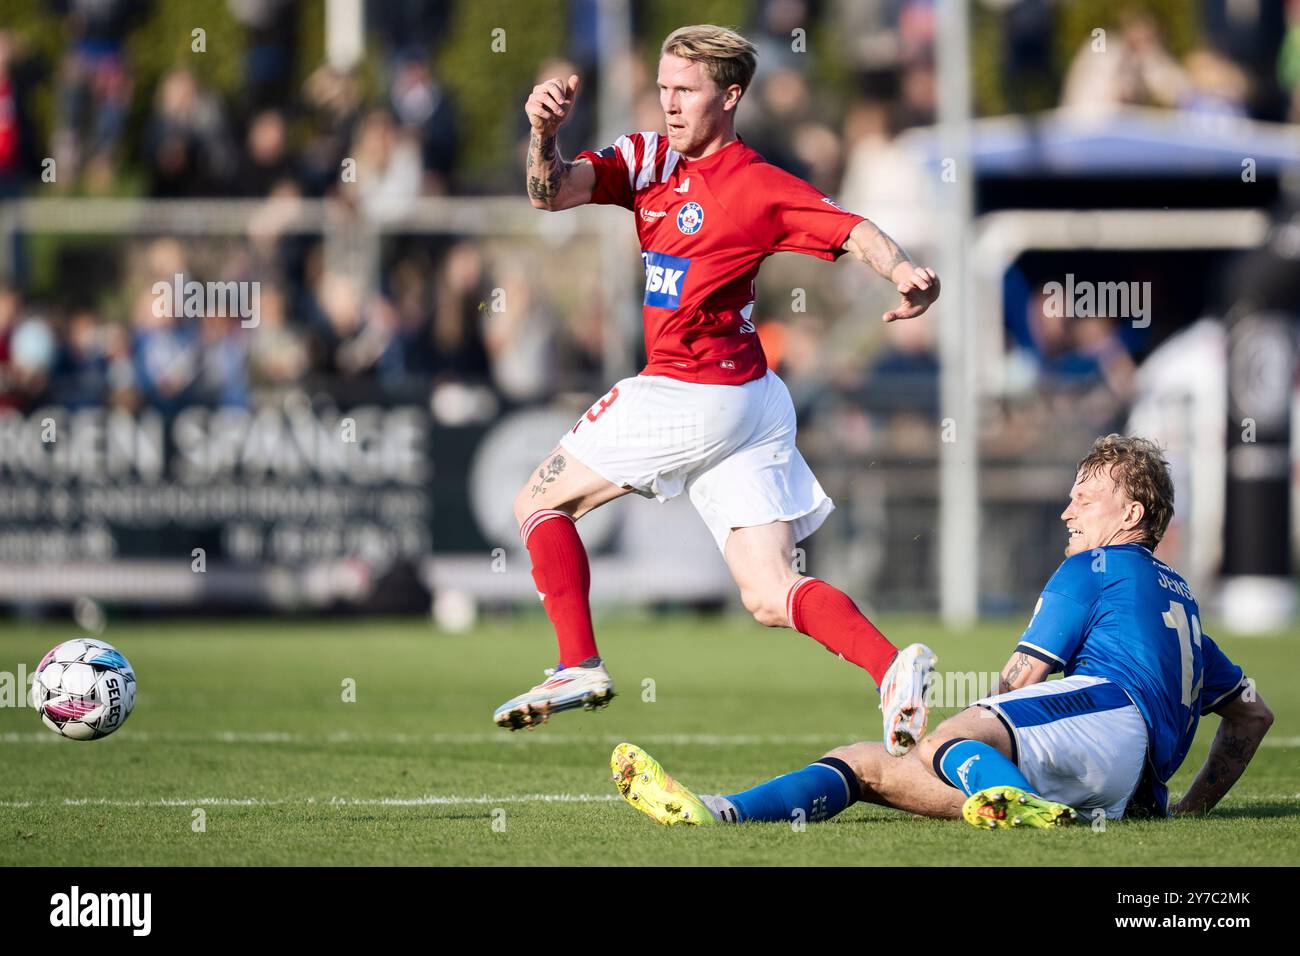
(541, 737)
(428, 800)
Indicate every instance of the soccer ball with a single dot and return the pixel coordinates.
(84, 689)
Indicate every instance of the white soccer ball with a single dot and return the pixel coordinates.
(84, 689)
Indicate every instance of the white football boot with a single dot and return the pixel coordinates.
(565, 688)
(902, 698)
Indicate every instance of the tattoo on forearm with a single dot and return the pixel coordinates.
(547, 474)
(1018, 665)
(887, 268)
(882, 253)
(1239, 748)
(1229, 756)
(544, 155)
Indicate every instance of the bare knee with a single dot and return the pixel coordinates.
(935, 739)
(864, 761)
(970, 723)
(767, 606)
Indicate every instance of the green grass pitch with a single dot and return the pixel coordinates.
(245, 720)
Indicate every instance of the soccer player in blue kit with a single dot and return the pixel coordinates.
(1139, 674)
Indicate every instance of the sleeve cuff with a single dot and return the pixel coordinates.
(1047, 657)
(1227, 698)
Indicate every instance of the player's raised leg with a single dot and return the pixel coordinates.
(761, 561)
(561, 490)
(972, 753)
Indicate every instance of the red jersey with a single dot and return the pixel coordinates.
(705, 227)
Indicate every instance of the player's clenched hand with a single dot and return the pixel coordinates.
(918, 289)
(550, 104)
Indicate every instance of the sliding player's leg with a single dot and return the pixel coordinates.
(561, 490)
(819, 791)
(761, 561)
(974, 754)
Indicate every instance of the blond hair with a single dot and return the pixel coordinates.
(727, 56)
(1139, 469)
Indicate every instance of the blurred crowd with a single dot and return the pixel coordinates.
(432, 318)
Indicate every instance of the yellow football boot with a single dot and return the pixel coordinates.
(644, 785)
(1002, 808)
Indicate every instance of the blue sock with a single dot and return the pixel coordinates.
(971, 766)
(820, 790)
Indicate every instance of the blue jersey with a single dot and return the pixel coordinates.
(1120, 613)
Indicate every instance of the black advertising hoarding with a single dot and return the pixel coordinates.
(297, 502)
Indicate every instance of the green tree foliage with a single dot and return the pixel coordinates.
(489, 88)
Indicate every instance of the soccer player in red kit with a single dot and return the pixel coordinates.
(705, 416)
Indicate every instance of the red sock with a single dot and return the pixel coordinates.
(829, 616)
(563, 576)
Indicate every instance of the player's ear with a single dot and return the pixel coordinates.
(731, 98)
(1134, 514)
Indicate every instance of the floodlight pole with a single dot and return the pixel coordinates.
(959, 410)
(619, 272)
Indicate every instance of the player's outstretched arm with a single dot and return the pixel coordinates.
(1243, 726)
(917, 286)
(554, 184)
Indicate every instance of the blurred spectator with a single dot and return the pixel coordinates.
(187, 145)
(81, 375)
(408, 27)
(768, 124)
(166, 353)
(10, 311)
(774, 37)
(521, 339)
(272, 27)
(19, 160)
(1134, 69)
(94, 88)
(459, 305)
(277, 354)
(333, 100)
(1028, 27)
(1075, 354)
(388, 172)
(222, 377)
(886, 180)
(265, 162)
(423, 109)
(1215, 85)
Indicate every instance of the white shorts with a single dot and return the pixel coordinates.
(730, 446)
(1079, 741)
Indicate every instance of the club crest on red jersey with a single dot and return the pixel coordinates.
(690, 218)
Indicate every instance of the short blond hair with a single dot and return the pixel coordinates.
(1137, 467)
(727, 56)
